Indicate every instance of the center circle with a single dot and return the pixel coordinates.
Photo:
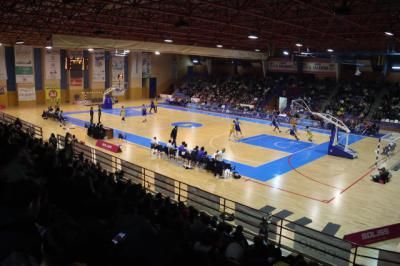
(186, 124)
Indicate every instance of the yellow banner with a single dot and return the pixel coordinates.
(53, 96)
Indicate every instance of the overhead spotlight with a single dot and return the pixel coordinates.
(396, 67)
(219, 46)
(157, 53)
(168, 40)
(329, 50)
(1, 44)
(358, 72)
(49, 44)
(389, 33)
(285, 52)
(257, 50)
(19, 41)
(195, 61)
(252, 36)
(299, 44)
(90, 49)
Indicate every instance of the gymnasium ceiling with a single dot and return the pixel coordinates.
(342, 25)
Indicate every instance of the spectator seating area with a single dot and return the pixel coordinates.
(389, 110)
(352, 102)
(61, 209)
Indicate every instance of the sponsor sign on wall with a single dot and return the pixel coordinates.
(98, 66)
(26, 94)
(146, 65)
(136, 64)
(53, 95)
(118, 80)
(52, 64)
(23, 64)
(310, 67)
(3, 70)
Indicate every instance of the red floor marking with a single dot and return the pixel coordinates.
(308, 197)
(308, 177)
(284, 190)
(352, 184)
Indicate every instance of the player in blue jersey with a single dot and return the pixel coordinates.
(275, 123)
(144, 113)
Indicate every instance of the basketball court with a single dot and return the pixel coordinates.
(295, 178)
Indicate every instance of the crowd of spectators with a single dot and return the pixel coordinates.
(60, 209)
(390, 106)
(351, 102)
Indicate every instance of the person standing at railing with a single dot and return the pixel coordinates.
(91, 112)
(264, 227)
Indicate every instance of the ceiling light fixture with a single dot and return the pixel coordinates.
(285, 53)
(168, 40)
(90, 49)
(257, 50)
(157, 53)
(389, 33)
(19, 41)
(219, 46)
(252, 36)
(299, 44)
(329, 50)
(195, 61)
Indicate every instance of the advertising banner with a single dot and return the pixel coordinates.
(374, 235)
(23, 64)
(53, 96)
(52, 64)
(146, 65)
(26, 94)
(117, 73)
(98, 66)
(3, 70)
(136, 64)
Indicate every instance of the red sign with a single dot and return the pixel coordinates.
(374, 235)
(108, 146)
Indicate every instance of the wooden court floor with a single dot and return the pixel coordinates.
(327, 189)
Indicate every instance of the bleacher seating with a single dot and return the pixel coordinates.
(62, 209)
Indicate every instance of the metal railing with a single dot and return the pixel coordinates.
(311, 243)
(26, 126)
(326, 249)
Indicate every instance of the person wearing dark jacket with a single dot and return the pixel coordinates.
(174, 134)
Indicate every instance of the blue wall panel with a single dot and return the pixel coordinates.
(37, 58)
(10, 66)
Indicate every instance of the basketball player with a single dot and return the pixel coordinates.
(309, 134)
(144, 113)
(232, 130)
(122, 113)
(152, 107)
(275, 123)
(292, 132)
(293, 123)
(237, 127)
